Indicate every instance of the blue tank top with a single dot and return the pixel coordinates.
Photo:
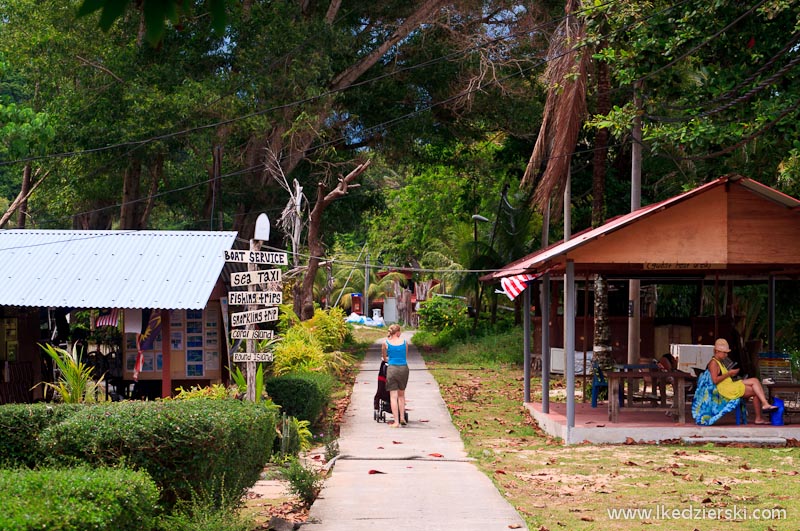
(396, 353)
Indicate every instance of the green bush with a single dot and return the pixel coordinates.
(304, 482)
(301, 395)
(440, 313)
(216, 448)
(77, 499)
(298, 351)
(286, 318)
(329, 328)
(21, 426)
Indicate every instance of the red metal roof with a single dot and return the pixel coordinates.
(542, 260)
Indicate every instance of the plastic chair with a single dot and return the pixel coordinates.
(598, 382)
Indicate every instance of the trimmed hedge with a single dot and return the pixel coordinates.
(301, 395)
(21, 426)
(213, 448)
(77, 499)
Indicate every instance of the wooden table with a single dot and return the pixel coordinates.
(680, 380)
(774, 389)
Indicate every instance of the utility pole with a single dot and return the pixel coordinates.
(366, 286)
(634, 311)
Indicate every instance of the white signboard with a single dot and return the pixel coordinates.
(252, 334)
(256, 257)
(239, 357)
(265, 298)
(255, 277)
(253, 317)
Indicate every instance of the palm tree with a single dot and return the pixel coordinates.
(565, 108)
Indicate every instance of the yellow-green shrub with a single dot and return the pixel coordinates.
(299, 351)
(329, 328)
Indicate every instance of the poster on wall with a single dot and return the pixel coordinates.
(194, 362)
(194, 341)
(212, 360)
(211, 318)
(211, 339)
(176, 340)
(176, 319)
(148, 365)
(130, 359)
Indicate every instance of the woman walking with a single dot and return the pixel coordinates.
(393, 352)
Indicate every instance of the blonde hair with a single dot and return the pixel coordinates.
(394, 329)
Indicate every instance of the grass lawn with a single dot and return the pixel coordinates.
(590, 487)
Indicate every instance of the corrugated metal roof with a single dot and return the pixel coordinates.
(110, 269)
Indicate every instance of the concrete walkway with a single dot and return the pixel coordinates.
(411, 478)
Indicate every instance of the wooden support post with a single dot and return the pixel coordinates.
(569, 340)
(166, 356)
(526, 343)
(250, 366)
(545, 302)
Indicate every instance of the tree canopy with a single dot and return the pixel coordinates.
(202, 115)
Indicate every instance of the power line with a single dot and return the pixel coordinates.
(383, 125)
(295, 103)
(139, 143)
(400, 269)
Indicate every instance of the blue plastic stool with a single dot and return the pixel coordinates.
(741, 412)
(598, 382)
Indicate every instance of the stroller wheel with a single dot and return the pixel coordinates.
(375, 415)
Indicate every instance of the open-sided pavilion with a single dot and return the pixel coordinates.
(732, 228)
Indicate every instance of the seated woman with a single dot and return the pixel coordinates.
(730, 389)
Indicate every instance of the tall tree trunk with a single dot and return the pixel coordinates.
(156, 174)
(304, 299)
(602, 330)
(22, 211)
(214, 188)
(128, 218)
(19, 199)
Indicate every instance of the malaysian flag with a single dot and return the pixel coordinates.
(513, 286)
(151, 326)
(107, 317)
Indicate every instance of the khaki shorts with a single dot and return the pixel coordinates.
(396, 377)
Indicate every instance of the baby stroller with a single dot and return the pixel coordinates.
(381, 402)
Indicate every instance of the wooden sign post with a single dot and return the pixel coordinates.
(252, 299)
(250, 365)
